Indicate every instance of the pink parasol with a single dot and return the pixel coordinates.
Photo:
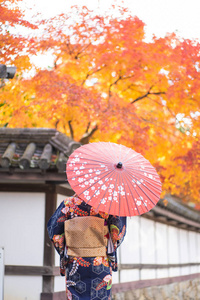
(114, 179)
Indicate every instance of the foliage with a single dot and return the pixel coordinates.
(108, 83)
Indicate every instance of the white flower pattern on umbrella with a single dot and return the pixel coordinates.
(114, 179)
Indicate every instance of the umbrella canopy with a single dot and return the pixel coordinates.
(114, 179)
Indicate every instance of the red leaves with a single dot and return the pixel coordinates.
(107, 83)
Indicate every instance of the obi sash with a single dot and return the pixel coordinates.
(86, 236)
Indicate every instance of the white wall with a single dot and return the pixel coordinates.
(129, 275)
(22, 236)
(22, 228)
(192, 243)
(161, 241)
(150, 242)
(22, 287)
(130, 248)
(59, 283)
(184, 246)
(173, 245)
(147, 241)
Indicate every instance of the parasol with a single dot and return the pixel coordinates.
(114, 179)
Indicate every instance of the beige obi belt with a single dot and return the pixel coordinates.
(86, 236)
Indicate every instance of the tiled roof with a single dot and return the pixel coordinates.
(34, 150)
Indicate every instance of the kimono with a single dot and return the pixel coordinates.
(86, 277)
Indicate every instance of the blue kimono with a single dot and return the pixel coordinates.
(86, 277)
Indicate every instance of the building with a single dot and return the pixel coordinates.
(32, 183)
(162, 247)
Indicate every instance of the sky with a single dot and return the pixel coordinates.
(160, 16)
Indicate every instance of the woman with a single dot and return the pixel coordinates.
(86, 241)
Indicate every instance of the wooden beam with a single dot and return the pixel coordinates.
(32, 270)
(49, 251)
(64, 190)
(173, 216)
(25, 176)
(55, 271)
(155, 266)
(25, 187)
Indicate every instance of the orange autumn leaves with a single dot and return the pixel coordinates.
(108, 83)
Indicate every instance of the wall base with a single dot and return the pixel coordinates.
(160, 289)
(53, 296)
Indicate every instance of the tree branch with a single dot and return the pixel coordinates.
(68, 44)
(92, 72)
(81, 50)
(88, 126)
(87, 135)
(71, 129)
(147, 94)
(116, 81)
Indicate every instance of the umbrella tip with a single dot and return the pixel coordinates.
(119, 165)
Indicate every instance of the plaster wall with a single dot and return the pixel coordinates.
(147, 241)
(59, 283)
(192, 245)
(161, 242)
(22, 287)
(184, 249)
(22, 236)
(22, 228)
(150, 242)
(130, 248)
(173, 245)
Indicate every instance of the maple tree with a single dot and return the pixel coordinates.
(13, 45)
(108, 83)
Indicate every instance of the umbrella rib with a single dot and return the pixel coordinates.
(129, 149)
(93, 160)
(113, 151)
(134, 155)
(107, 172)
(132, 193)
(148, 179)
(144, 192)
(137, 194)
(92, 153)
(145, 179)
(143, 175)
(108, 156)
(102, 199)
(155, 187)
(152, 171)
(88, 168)
(103, 152)
(111, 202)
(98, 190)
(119, 192)
(127, 199)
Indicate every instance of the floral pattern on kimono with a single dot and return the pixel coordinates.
(86, 277)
